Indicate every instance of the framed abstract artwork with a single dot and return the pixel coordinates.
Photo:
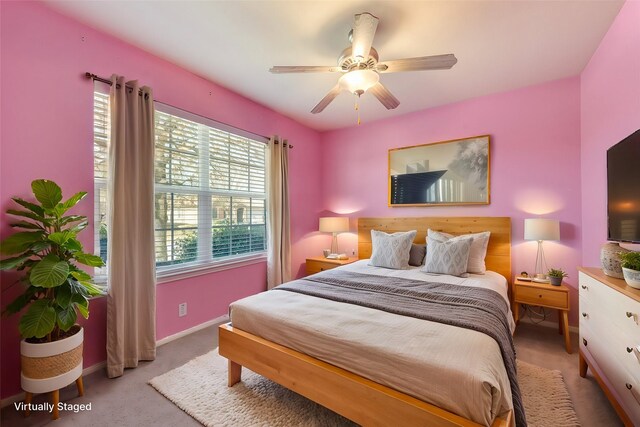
(443, 173)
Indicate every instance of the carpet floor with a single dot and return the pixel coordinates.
(130, 401)
(199, 388)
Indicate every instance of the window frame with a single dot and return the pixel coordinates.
(205, 262)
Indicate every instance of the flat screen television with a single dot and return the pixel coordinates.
(623, 189)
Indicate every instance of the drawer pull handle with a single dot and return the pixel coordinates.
(584, 314)
(584, 341)
(629, 386)
(540, 296)
(629, 349)
(584, 287)
(629, 314)
(321, 268)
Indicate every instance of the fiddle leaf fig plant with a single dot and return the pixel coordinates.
(49, 253)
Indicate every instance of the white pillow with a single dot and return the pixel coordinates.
(448, 257)
(391, 250)
(478, 248)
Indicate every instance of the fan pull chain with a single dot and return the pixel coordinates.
(357, 107)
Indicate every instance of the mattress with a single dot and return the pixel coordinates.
(456, 369)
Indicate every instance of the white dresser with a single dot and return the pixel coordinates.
(610, 339)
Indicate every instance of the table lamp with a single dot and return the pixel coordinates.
(335, 225)
(541, 229)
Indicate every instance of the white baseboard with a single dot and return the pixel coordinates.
(191, 330)
(547, 324)
(101, 365)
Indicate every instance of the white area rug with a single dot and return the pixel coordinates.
(546, 399)
(200, 389)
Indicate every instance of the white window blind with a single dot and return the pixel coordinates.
(210, 192)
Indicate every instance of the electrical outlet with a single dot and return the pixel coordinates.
(182, 309)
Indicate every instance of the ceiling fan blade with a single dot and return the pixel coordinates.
(327, 99)
(384, 96)
(280, 69)
(435, 62)
(364, 28)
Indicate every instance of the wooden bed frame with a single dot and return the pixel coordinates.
(352, 396)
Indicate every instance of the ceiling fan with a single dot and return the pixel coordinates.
(360, 67)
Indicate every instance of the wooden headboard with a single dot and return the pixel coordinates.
(498, 253)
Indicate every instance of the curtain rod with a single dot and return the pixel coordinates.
(109, 82)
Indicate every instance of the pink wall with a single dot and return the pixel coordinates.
(535, 165)
(47, 133)
(610, 111)
(537, 154)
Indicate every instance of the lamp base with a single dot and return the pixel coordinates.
(540, 272)
(334, 244)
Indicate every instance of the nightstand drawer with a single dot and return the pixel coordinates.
(318, 264)
(542, 297)
(314, 267)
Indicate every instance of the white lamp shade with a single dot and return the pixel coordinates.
(541, 229)
(358, 80)
(334, 224)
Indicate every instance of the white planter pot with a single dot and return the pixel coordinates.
(51, 366)
(632, 277)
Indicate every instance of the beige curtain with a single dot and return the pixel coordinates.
(131, 301)
(279, 245)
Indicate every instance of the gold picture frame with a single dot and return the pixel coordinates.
(445, 173)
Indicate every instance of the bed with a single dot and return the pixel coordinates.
(331, 372)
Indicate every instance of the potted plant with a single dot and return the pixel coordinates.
(556, 275)
(47, 253)
(631, 268)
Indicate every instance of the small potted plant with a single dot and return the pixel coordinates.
(556, 275)
(48, 254)
(631, 268)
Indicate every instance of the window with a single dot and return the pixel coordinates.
(210, 195)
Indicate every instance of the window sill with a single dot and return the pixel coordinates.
(184, 272)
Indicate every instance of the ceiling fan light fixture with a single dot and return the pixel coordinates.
(358, 80)
(360, 67)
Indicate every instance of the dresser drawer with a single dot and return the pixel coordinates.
(620, 310)
(610, 343)
(618, 345)
(542, 297)
(623, 382)
(630, 362)
(617, 377)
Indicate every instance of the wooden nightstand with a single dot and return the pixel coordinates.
(320, 263)
(544, 295)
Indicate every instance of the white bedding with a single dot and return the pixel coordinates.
(454, 368)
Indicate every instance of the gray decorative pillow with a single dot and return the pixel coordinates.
(478, 248)
(391, 250)
(448, 257)
(416, 255)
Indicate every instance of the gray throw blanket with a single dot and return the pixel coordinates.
(479, 309)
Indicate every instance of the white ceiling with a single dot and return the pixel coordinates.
(500, 45)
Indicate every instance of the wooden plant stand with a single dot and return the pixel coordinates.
(55, 399)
